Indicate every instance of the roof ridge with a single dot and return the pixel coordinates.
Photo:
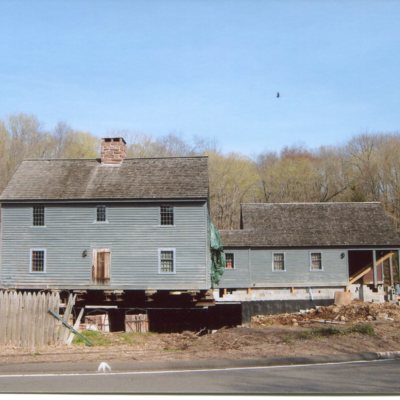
(314, 203)
(97, 159)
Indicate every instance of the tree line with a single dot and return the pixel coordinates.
(366, 168)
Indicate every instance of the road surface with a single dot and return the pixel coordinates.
(381, 376)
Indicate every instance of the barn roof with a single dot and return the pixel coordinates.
(134, 179)
(312, 225)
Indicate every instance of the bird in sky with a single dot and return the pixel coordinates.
(278, 95)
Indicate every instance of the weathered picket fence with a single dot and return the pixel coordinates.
(25, 321)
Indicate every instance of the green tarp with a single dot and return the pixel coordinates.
(217, 255)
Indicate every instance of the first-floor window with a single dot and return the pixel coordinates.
(316, 261)
(230, 261)
(38, 260)
(279, 262)
(167, 261)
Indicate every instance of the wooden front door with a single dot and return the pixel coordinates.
(101, 266)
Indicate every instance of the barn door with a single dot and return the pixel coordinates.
(101, 266)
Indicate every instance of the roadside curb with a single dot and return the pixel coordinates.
(187, 365)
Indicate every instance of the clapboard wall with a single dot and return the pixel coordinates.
(253, 268)
(132, 232)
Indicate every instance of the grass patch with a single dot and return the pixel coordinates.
(130, 338)
(314, 333)
(319, 332)
(365, 329)
(96, 337)
(287, 339)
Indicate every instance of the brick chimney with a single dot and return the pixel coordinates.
(113, 150)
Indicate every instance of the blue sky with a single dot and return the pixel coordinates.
(205, 68)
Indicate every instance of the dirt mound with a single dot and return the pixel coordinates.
(353, 313)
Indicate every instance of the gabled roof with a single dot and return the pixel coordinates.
(312, 225)
(134, 179)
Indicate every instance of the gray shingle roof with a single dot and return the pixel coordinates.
(138, 178)
(312, 225)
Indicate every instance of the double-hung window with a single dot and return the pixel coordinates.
(278, 263)
(38, 216)
(316, 261)
(101, 214)
(38, 260)
(166, 261)
(167, 215)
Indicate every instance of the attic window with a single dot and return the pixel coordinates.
(38, 216)
(101, 214)
(167, 215)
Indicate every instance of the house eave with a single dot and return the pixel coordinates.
(106, 200)
(305, 247)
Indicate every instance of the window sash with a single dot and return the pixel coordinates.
(38, 216)
(38, 260)
(230, 261)
(101, 214)
(316, 261)
(167, 264)
(167, 215)
(279, 262)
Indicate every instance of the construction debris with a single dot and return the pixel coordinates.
(355, 312)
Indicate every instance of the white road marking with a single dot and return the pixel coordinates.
(179, 371)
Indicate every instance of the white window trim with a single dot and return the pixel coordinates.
(159, 216)
(95, 216)
(44, 261)
(173, 264)
(230, 269)
(322, 261)
(284, 261)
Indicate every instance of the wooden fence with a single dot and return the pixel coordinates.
(25, 321)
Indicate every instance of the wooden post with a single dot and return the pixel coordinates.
(391, 271)
(76, 327)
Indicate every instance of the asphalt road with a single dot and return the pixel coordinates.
(337, 378)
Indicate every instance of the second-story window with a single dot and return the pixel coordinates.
(166, 215)
(38, 216)
(101, 214)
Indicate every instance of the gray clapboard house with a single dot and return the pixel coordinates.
(303, 250)
(111, 223)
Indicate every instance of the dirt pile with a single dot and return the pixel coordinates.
(353, 313)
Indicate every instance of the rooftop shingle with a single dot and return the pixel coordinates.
(135, 178)
(312, 225)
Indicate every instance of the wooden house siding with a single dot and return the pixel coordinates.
(253, 268)
(132, 233)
